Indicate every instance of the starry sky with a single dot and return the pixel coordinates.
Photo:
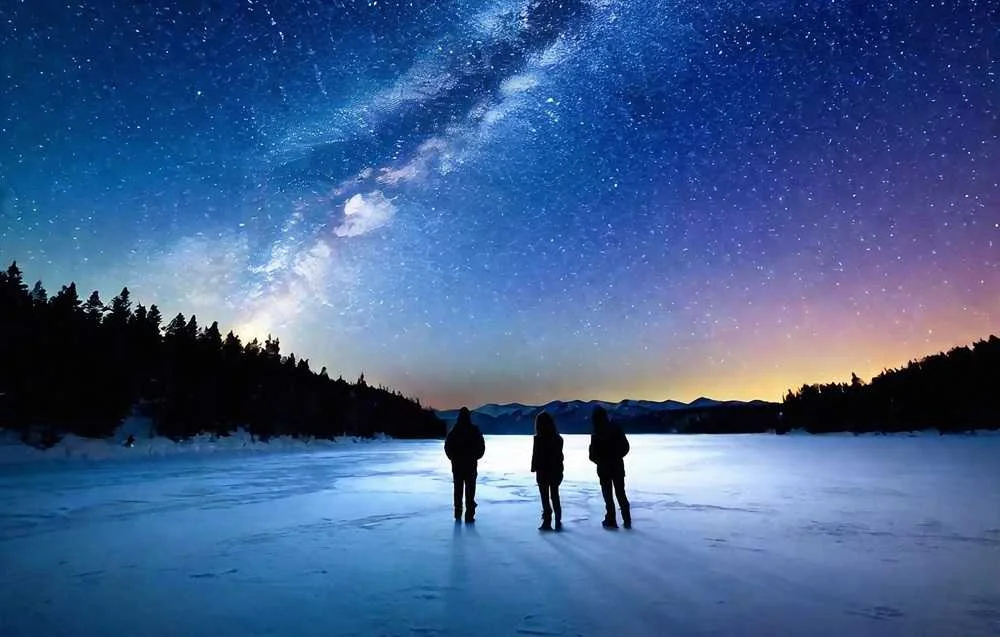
(520, 200)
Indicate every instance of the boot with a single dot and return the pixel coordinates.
(627, 518)
(546, 523)
(458, 513)
(610, 522)
(470, 514)
(559, 521)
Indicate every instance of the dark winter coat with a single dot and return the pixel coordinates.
(608, 448)
(464, 446)
(547, 459)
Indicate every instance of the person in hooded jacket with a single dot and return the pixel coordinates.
(547, 465)
(464, 446)
(608, 448)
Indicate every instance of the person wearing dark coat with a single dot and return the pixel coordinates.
(464, 446)
(608, 448)
(547, 465)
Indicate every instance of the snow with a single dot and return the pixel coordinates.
(735, 535)
(74, 447)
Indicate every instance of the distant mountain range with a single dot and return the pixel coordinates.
(702, 415)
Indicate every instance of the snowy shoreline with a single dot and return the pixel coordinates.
(73, 447)
(148, 445)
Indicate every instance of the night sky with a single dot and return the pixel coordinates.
(490, 201)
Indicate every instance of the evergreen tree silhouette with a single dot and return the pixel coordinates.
(952, 391)
(175, 328)
(15, 280)
(39, 297)
(120, 312)
(72, 367)
(94, 309)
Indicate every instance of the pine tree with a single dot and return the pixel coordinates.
(154, 319)
(252, 348)
(191, 329)
(176, 327)
(39, 297)
(272, 348)
(232, 347)
(94, 309)
(67, 301)
(120, 313)
(211, 337)
(15, 280)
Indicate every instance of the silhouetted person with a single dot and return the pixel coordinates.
(547, 465)
(464, 446)
(608, 448)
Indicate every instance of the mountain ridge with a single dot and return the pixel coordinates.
(573, 416)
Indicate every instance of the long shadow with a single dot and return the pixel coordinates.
(620, 577)
(457, 602)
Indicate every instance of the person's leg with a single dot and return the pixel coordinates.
(609, 503)
(543, 492)
(457, 480)
(619, 483)
(556, 504)
(470, 496)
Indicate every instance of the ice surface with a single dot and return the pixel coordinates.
(735, 535)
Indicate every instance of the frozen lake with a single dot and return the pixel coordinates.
(735, 535)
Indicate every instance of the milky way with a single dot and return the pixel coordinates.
(521, 200)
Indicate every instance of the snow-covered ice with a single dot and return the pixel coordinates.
(735, 535)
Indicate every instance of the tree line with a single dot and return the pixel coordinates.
(725, 418)
(952, 391)
(82, 367)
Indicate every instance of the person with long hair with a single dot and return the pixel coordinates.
(608, 448)
(464, 446)
(547, 465)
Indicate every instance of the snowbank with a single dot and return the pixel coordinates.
(147, 444)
